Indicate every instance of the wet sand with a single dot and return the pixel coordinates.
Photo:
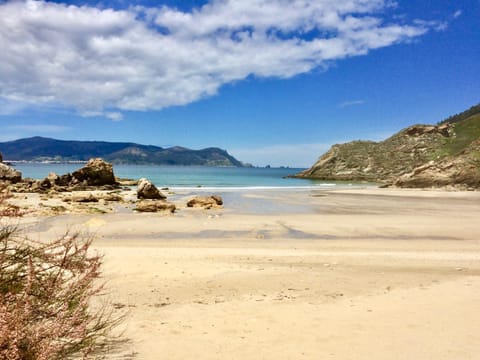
(351, 274)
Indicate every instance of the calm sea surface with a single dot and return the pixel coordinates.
(191, 176)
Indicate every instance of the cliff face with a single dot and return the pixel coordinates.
(462, 170)
(418, 156)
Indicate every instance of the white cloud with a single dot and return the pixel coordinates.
(141, 58)
(351, 103)
(457, 14)
(293, 155)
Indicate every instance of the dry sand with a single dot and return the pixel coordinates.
(352, 274)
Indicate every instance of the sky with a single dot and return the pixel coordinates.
(274, 82)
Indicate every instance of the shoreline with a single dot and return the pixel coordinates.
(341, 274)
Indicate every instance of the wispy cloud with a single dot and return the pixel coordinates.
(38, 128)
(112, 115)
(457, 14)
(351, 103)
(141, 58)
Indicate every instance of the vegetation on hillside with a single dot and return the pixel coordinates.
(466, 131)
(474, 110)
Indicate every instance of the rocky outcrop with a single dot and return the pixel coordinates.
(9, 174)
(460, 172)
(380, 161)
(418, 156)
(155, 206)
(206, 202)
(1, 158)
(147, 190)
(95, 173)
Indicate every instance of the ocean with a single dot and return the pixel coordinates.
(190, 177)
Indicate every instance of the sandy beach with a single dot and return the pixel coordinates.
(334, 274)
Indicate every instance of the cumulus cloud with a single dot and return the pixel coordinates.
(103, 61)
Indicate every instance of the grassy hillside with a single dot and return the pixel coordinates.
(454, 140)
(466, 131)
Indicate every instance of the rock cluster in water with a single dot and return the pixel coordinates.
(95, 183)
(96, 174)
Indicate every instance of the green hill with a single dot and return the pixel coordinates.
(418, 156)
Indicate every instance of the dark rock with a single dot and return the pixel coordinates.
(64, 180)
(9, 174)
(147, 190)
(206, 202)
(218, 199)
(45, 183)
(95, 173)
(155, 206)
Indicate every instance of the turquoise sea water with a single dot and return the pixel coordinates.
(191, 176)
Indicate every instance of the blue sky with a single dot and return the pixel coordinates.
(271, 81)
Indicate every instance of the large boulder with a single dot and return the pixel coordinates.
(155, 206)
(9, 174)
(147, 190)
(206, 202)
(95, 173)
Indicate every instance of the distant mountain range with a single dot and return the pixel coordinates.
(46, 149)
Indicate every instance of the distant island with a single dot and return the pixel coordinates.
(420, 156)
(40, 149)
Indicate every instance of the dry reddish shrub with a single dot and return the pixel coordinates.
(45, 292)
